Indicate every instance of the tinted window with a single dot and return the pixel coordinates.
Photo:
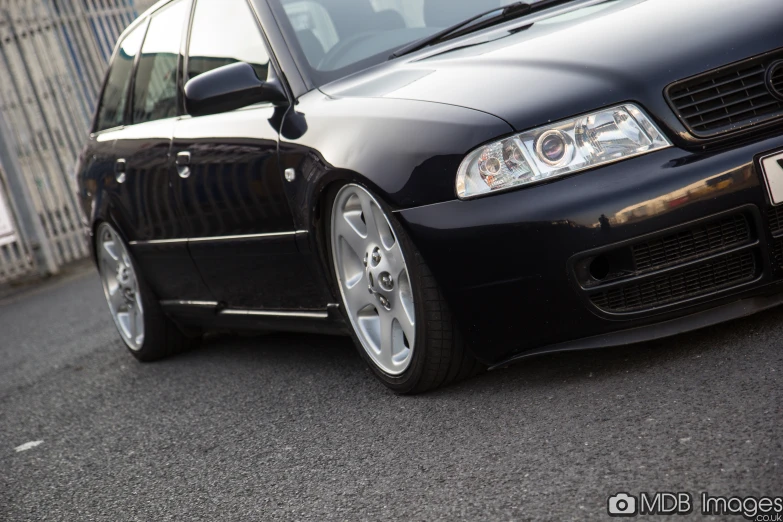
(112, 108)
(225, 32)
(155, 89)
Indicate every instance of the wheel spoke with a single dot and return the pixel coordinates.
(132, 318)
(358, 296)
(109, 255)
(352, 238)
(385, 234)
(369, 217)
(406, 324)
(404, 296)
(126, 259)
(123, 319)
(116, 299)
(387, 339)
(396, 260)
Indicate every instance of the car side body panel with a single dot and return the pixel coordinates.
(407, 150)
(241, 233)
(506, 262)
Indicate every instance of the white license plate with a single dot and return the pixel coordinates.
(772, 166)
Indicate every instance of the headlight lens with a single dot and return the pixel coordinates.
(562, 148)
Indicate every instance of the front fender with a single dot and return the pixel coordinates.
(407, 151)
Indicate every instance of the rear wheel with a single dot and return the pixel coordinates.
(398, 316)
(147, 333)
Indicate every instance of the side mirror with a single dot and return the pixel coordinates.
(230, 87)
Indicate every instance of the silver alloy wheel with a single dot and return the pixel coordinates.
(120, 286)
(373, 279)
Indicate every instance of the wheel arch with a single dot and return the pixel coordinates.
(318, 219)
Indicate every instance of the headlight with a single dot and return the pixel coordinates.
(562, 148)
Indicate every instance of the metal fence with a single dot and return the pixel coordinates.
(53, 56)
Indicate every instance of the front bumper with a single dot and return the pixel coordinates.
(512, 265)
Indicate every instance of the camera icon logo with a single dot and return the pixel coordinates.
(622, 505)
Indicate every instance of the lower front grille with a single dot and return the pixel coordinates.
(775, 217)
(694, 242)
(678, 285)
(777, 252)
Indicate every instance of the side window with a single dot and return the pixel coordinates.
(225, 32)
(155, 88)
(111, 111)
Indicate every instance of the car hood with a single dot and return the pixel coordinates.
(621, 50)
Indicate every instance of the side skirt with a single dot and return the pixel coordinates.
(210, 315)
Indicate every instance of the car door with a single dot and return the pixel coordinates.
(104, 170)
(142, 202)
(228, 185)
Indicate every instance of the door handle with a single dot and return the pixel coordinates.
(183, 164)
(120, 167)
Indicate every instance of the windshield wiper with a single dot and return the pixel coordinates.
(487, 19)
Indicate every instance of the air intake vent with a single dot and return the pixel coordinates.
(777, 252)
(775, 217)
(678, 285)
(691, 243)
(730, 98)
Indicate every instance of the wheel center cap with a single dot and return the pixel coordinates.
(379, 281)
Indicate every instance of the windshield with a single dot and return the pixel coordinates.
(339, 37)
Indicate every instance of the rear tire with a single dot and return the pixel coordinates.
(146, 331)
(357, 220)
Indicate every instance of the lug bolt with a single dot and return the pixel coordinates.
(387, 283)
(366, 256)
(385, 302)
(376, 256)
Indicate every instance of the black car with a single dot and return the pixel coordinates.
(455, 184)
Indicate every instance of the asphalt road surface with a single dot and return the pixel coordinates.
(295, 427)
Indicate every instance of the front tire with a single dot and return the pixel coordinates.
(147, 333)
(398, 317)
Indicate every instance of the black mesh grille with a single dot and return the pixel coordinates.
(777, 251)
(775, 217)
(727, 99)
(692, 243)
(678, 285)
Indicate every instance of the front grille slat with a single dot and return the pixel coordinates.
(693, 281)
(728, 99)
(723, 95)
(727, 112)
(731, 116)
(698, 241)
(715, 83)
